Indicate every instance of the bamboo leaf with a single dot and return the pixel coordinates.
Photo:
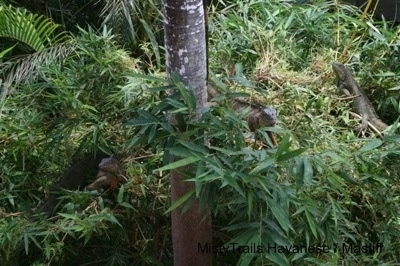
(371, 145)
(180, 201)
(289, 155)
(311, 223)
(179, 163)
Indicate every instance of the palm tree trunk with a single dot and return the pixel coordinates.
(185, 45)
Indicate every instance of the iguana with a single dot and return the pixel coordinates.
(74, 178)
(110, 174)
(360, 104)
(257, 115)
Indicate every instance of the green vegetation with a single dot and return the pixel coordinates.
(322, 186)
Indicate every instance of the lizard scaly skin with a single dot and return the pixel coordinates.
(360, 104)
(258, 115)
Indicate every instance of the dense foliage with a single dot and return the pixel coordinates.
(323, 186)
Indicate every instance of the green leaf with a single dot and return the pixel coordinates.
(180, 201)
(4, 52)
(278, 258)
(289, 155)
(180, 152)
(304, 172)
(228, 180)
(68, 216)
(284, 145)
(139, 122)
(26, 243)
(34, 31)
(178, 164)
(194, 147)
(150, 78)
(250, 198)
(347, 177)
(280, 215)
(334, 210)
(265, 164)
(111, 218)
(187, 94)
(120, 196)
(153, 41)
(127, 205)
(289, 20)
(311, 223)
(370, 145)
(246, 258)
(151, 134)
(33, 239)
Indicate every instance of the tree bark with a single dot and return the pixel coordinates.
(185, 45)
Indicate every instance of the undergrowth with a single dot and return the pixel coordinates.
(322, 186)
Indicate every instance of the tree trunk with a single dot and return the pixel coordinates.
(185, 45)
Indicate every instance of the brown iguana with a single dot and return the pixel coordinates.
(257, 115)
(110, 174)
(360, 104)
(74, 178)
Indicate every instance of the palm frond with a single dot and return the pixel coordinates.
(118, 15)
(22, 68)
(35, 31)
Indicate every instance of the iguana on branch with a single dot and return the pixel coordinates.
(360, 104)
